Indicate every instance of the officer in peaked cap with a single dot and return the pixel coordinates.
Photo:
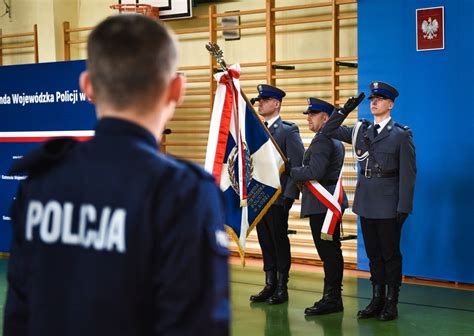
(384, 192)
(322, 162)
(272, 230)
(101, 244)
(266, 91)
(381, 89)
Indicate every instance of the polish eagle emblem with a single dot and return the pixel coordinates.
(430, 28)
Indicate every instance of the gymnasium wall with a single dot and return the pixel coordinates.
(435, 101)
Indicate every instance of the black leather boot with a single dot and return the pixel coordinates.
(268, 290)
(330, 303)
(376, 304)
(281, 292)
(389, 311)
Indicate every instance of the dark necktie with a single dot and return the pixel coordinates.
(376, 127)
(266, 124)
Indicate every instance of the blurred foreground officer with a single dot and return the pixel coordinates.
(272, 230)
(384, 192)
(323, 162)
(110, 236)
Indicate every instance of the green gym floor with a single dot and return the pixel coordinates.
(423, 309)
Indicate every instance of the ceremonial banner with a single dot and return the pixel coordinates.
(332, 202)
(242, 157)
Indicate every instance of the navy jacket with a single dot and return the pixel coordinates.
(392, 151)
(322, 162)
(287, 136)
(111, 237)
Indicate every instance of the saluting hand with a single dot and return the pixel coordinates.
(352, 103)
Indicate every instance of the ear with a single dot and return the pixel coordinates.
(176, 89)
(86, 86)
(390, 105)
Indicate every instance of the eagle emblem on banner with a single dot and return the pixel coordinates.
(430, 28)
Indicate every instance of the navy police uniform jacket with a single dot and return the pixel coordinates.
(392, 152)
(111, 237)
(322, 162)
(287, 136)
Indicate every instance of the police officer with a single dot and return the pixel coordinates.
(323, 162)
(101, 244)
(272, 230)
(384, 191)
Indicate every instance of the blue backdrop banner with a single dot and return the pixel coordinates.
(435, 88)
(37, 102)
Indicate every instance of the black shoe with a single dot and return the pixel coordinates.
(390, 311)
(281, 292)
(268, 290)
(376, 304)
(327, 305)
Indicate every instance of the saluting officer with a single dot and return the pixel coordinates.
(384, 192)
(323, 162)
(111, 237)
(272, 230)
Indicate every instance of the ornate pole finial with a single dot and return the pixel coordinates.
(216, 52)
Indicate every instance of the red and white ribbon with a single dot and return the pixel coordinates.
(332, 202)
(227, 120)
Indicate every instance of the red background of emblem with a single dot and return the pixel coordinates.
(437, 42)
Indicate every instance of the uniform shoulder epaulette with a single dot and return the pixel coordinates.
(289, 123)
(403, 127)
(44, 157)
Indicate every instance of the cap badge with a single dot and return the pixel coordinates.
(376, 85)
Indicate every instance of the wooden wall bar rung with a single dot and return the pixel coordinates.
(306, 74)
(347, 16)
(194, 105)
(197, 80)
(256, 77)
(240, 13)
(190, 131)
(190, 118)
(193, 67)
(345, 2)
(298, 7)
(77, 30)
(186, 144)
(347, 58)
(346, 87)
(20, 45)
(346, 73)
(303, 61)
(78, 41)
(17, 35)
(196, 93)
(302, 21)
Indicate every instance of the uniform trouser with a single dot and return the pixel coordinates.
(272, 234)
(329, 251)
(382, 245)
